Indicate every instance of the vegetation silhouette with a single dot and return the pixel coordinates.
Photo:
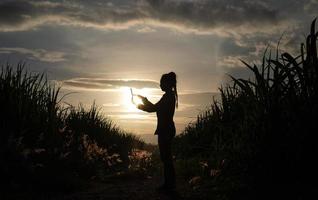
(165, 130)
(48, 147)
(259, 141)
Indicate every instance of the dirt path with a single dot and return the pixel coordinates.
(129, 188)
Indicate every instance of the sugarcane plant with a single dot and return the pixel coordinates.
(265, 126)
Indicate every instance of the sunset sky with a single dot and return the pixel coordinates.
(98, 49)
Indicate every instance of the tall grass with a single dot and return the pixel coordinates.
(46, 145)
(265, 127)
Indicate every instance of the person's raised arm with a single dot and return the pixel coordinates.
(147, 105)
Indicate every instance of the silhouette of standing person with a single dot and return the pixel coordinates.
(166, 130)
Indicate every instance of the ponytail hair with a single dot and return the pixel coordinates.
(173, 81)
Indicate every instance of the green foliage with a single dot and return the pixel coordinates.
(46, 145)
(264, 127)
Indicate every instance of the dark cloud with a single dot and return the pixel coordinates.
(200, 14)
(208, 14)
(102, 84)
(14, 13)
(23, 15)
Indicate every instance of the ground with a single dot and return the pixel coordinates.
(138, 188)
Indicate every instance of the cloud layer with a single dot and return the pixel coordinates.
(36, 54)
(105, 84)
(240, 29)
(199, 15)
(75, 38)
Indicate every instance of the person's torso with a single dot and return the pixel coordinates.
(165, 124)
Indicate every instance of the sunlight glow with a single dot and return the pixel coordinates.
(126, 101)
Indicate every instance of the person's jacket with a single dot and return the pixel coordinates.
(164, 109)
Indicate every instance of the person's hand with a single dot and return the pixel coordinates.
(140, 106)
(143, 99)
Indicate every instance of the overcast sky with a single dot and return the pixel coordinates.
(98, 47)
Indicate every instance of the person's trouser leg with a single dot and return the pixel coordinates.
(166, 158)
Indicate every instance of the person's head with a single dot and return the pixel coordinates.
(168, 83)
